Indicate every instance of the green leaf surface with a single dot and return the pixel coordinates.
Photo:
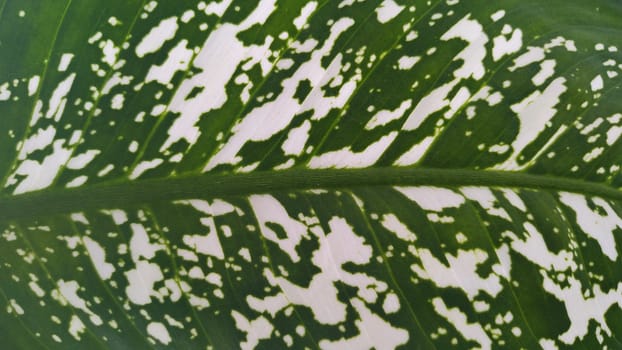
(310, 174)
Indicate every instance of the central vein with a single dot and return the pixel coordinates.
(135, 193)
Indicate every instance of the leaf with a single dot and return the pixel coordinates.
(310, 174)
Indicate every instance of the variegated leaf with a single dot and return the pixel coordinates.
(310, 174)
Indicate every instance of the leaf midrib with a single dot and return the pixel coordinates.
(135, 193)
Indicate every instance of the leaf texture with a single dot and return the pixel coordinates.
(310, 174)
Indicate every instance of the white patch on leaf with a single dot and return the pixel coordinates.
(268, 209)
(547, 69)
(407, 62)
(388, 10)
(140, 245)
(415, 153)
(39, 140)
(143, 166)
(473, 55)
(98, 257)
(597, 226)
(597, 83)
(296, 139)
(432, 198)
(119, 217)
(259, 124)
(504, 46)
(76, 327)
(178, 59)
(208, 244)
(346, 158)
(462, 272)
(256, 330)
(581, 309)
(497, 15)
(217, 208)
(534, 249)
(159, 332)
(533, 54)
(216, 62)
(470, 331)
(65, 60)
(33, 85)
(69, 291)
(385, 116)
(374, 332)
(81, 160)
(157, 36)
(141, 280)
(391, 303)
(534, 113)
(217, 8)
(433, 102)
(514, 199)
(305, 12)
(41, 175)
(340, 246)
(486, 199)
(394, 225)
